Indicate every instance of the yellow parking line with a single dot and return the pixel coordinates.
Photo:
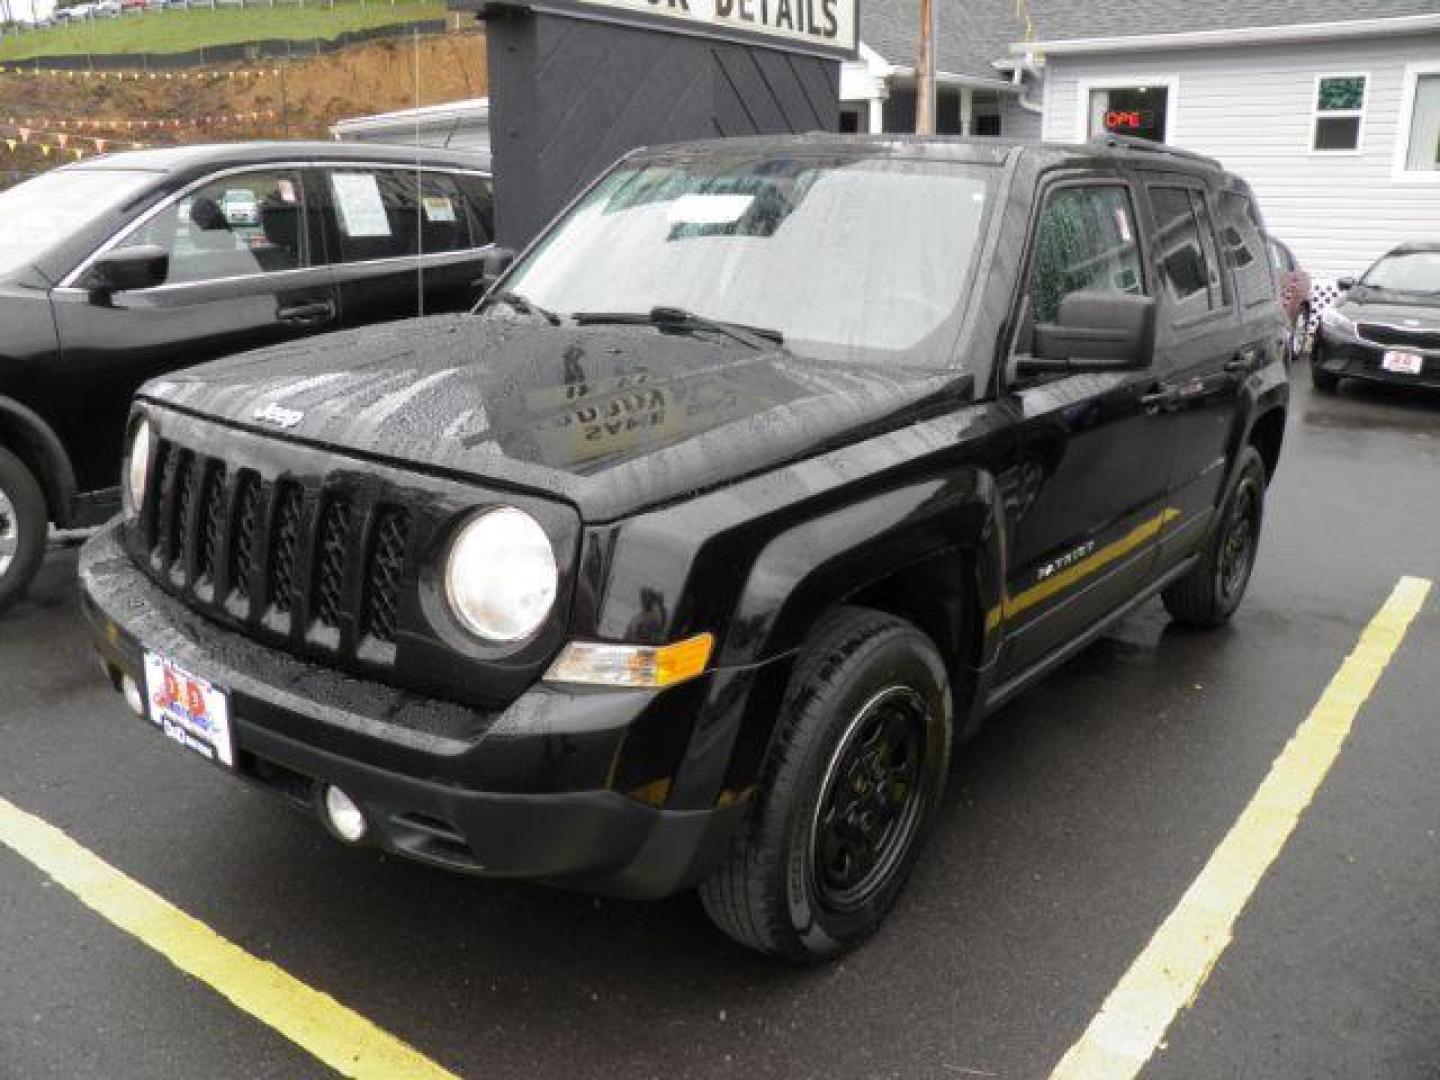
(1168, 974)
(316, 1022)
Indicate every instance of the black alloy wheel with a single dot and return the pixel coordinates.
(1209, 594)
(870, 802)
(24, 528)
(850, 787)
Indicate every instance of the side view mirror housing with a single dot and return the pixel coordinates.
(1345, 284)
(493, 267)
(127, 269)
(1094, 331)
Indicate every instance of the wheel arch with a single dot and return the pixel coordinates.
(949, 582)
(1267, 436)
(34, 442)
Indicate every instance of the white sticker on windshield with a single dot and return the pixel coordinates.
(709, 209)
(357, 198)
(438, 209)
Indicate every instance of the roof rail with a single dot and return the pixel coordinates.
(1149, 146)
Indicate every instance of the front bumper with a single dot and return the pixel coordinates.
(1356, 358)
(524, 792)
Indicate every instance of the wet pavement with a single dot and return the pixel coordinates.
(1074, 824)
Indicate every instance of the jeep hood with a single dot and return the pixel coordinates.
(610, 418)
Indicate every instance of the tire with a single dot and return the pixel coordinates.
(24, 528)
(1210, 593)
(1325, 381)
(816, 865)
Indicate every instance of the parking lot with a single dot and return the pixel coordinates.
(1074, 824)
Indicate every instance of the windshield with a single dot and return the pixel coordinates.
(852, 260)
(1412, 272)
(40, 213)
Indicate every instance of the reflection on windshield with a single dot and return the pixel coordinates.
(1412, 272)
(857, 260)
(40, 213)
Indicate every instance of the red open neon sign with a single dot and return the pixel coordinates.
(1125, 120)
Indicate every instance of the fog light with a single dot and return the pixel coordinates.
(345, 818)
(130, 691)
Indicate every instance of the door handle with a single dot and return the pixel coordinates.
(1162, 398)
(308, 314)
(1245, 360)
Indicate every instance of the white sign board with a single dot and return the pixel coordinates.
(826, 26)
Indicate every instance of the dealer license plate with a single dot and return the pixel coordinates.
(1403, 363)
(189, 710)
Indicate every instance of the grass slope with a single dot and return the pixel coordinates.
(174, 31)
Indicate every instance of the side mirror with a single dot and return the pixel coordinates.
(1094, 331)
(493, 267)
(1345, 284)
(127, 269)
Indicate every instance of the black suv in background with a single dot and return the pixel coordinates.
(767, 473)
(119, 268)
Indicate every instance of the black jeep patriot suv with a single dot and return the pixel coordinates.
(752, 487)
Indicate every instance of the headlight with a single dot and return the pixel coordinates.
(1332, 319)
(137, 466)
(501, 578)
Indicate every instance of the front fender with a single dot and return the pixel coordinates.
(838, 555)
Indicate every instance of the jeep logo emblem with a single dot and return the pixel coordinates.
(278, 415)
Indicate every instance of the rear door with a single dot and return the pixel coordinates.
(1086, 498)
(403, 242)
(244, 272)
(1203, 353)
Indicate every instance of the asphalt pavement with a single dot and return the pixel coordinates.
(1074, 825)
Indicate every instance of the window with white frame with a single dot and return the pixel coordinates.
(1339, 113)
(1422, 146)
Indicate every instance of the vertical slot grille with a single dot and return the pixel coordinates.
(212, 523)
(264, 553)
(285, 549)
(163, 473)
(246, 529)
(184, 496)
(382, 577)
(330, 564)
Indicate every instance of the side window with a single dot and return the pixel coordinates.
(1280, 259)
(1186, 251)
(449, 222)
(1244, 248)
(480, 197)
(383, 214)
(373, 212)
(1085, 241)
(235, 226)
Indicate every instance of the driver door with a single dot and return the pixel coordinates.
(1086, 500)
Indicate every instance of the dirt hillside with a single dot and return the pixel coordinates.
(49, 118)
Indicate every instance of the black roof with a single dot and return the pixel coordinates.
(174, 159)
(941, 147)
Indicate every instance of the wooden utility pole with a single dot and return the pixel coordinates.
(925, 72)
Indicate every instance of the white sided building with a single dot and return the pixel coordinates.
(1330, 110)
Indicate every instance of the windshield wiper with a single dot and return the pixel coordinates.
(673, 318)
(525, 306)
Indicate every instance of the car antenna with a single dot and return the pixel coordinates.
(419, 191)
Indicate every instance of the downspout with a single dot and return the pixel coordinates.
(1017, 80)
